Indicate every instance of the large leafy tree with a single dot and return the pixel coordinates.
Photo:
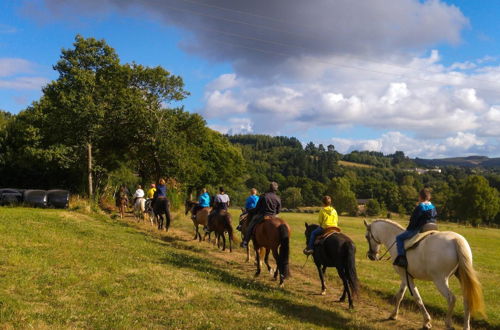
(476, 200)
(343, 198)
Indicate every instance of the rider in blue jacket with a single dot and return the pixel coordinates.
(203, 201)
(424, 213)
(252, 200)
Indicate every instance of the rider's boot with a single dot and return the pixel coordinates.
(308, 251)
(400, 261)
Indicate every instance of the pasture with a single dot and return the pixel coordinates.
(61, 269)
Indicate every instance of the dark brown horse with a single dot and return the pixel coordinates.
(220, 223)
(161, 206)
(201, 217)
(273, 234)
(338, 251)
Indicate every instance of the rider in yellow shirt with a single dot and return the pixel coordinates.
(327, 218)
(151, 191)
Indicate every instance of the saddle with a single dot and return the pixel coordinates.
(328, 231)
(415, 240)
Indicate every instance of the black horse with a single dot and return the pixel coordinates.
(162, 206)
(337, 251)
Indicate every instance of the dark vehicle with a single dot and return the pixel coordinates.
(58, 199)
(10, 196)
(36, 198)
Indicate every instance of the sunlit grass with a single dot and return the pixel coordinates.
(61, 269)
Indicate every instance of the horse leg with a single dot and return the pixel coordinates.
(257, 261)
(346, 288)
(420, 303)
(276, 258)
(266, 261)
(223, 236)
(444, 289)
(195, 230)
(341, 273)
(248, 254)
(398, 298)
(322, 278)
(230, 239)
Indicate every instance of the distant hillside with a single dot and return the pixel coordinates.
(471, 161)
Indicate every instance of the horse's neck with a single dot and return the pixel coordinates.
(387, 233)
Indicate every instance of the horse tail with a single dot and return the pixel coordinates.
(284, 252)
(471, 287)
(352, 276)
(229, 226)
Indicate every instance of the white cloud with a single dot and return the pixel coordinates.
(460, 144)
(17, 73)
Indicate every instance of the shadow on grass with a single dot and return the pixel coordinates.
(409, 303)
(302, 312)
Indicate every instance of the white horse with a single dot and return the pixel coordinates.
(436, 258)
(140, 208)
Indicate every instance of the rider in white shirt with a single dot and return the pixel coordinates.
(139, 193)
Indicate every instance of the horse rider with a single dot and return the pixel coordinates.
(203, 201)
(160, 196)
(327, 218)
(269, 204)
(252, 200)
(424, 213)
(221, 202)
(151, 191)
(250, 204)
(139, 193)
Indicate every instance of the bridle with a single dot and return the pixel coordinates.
(374, 253)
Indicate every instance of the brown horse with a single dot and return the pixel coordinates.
(201, 217)
(220, 223)
(243, 228)
(272, 234)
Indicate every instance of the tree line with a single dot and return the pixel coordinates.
(103, 122)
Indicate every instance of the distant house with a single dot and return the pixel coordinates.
(362, 201)
(423, 170)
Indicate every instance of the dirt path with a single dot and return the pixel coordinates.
(370, 306)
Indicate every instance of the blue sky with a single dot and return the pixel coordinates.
(417, 76)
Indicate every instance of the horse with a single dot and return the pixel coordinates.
(201, 217)
(220, 223)
(161, 206)
(273, 233)
(338, 251)
(140, 208)
(122, 204)
(435, 258)
(150, 212)
(243, 228)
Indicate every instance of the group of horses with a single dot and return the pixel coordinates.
(435, 258)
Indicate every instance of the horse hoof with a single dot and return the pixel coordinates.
(282, 285)
(351, 306)
(427, 326)
(393, 317)
(323, 293)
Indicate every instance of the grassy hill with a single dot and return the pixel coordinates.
(471, 161)
(61, 269)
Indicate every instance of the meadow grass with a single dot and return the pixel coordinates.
(62, 269)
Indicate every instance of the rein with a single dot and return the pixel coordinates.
(380, 243)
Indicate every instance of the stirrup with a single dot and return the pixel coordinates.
(308, 251)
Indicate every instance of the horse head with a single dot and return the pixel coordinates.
(188, 205)
(373, 243)
(309, 229)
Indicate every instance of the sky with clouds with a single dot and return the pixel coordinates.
(384, 75)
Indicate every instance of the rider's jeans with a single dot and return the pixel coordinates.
(314, 233)
(400, 240)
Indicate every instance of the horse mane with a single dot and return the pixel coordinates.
(390, 222)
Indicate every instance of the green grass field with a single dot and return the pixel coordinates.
(61, 269)
(352, 164)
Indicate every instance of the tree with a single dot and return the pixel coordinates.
(291, 197)
(343, 198)
(373, 207)
(476, 201)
